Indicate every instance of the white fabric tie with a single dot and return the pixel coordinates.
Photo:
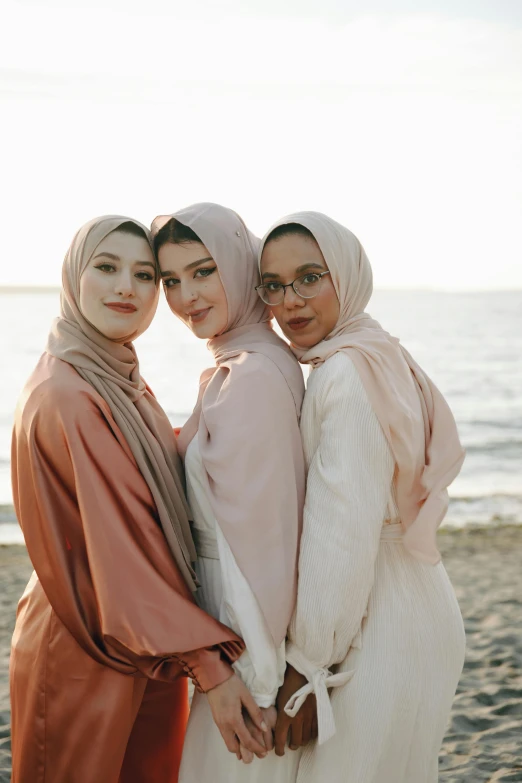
(319, 680)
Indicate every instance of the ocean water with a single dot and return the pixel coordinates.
(470, 344)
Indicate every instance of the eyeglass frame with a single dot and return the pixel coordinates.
(284, 286)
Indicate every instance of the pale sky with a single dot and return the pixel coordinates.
(403, 124)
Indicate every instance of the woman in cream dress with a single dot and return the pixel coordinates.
(244, 470)
(376, 621)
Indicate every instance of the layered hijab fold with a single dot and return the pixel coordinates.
(413, 414)
(255, 388)
(112, 369)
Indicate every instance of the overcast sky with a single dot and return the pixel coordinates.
(404, 124)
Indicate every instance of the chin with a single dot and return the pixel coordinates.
(300, 341)
(207, 331)
(118, 337)
(202, 333)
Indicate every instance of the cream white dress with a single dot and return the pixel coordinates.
(366, 608)
(226, 595)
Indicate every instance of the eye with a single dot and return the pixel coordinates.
(105, 268)
(310, 279)
(170, 282)
(146, 276)
(205, 272)
(273, 287)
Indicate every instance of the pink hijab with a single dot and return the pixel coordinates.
(247, 422)
(413, 414)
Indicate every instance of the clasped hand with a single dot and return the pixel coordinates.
(249, 730)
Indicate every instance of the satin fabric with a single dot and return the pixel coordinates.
(107, 624)
(76, 739)
(112, 368)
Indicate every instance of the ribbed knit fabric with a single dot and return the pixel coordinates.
(365, 606)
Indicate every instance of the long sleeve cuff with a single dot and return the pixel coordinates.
(206, 668)
(263, 698)
(319, 680)
(264, 680)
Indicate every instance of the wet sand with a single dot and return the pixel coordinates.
(483, 743)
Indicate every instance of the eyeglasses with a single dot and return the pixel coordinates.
(307, 286)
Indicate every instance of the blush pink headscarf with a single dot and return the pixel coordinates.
(413, 414)
(247, 422)
(112, 368)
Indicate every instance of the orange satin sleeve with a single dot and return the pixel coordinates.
(90, 527)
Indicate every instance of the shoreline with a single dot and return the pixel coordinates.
(11, 535)
(470, 536)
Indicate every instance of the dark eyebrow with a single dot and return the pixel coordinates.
(192, 265)
(309, 265)
(117, 258)
(198, 262)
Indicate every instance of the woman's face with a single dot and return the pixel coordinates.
(193, 288)
(118, 286)
(305, 322)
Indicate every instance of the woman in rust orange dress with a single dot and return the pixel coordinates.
(107, 626)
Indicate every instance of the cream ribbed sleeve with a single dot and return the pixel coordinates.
(350, 470)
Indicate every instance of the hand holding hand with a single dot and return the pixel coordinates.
(266, 737)
(300, 730)
(227, 702)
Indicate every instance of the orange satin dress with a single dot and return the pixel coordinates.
(107, 630)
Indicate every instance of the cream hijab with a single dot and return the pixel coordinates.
(413, 414)
(112, 369)
(246, 419)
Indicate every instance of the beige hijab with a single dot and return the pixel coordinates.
(112, 369)
(413, 414)
(246, 419)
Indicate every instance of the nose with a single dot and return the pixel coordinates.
(291, 299)
(188, 294)
(124, 284)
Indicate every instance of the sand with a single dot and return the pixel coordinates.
(484, 738)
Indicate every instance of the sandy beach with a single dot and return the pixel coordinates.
(484, 738)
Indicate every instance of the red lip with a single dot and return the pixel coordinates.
(121, 307)
(199, 315)
(298, 323)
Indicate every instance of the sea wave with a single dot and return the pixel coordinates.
(492, 509)
(506, 448)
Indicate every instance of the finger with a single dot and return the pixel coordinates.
(296, 740)
(256, 734)
(268, 738)
(230, 739)
(246, 756)
(259, 736)
(306, 729)
(253, 710)
(281, 734)
(247, 739)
